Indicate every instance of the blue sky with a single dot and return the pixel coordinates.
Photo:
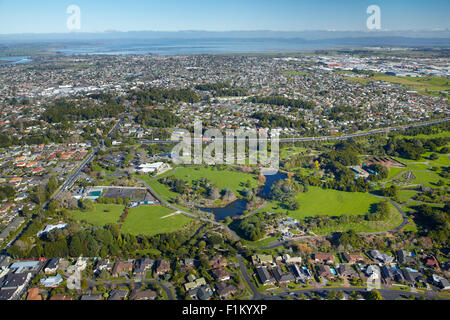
(44, 16)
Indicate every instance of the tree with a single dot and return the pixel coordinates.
(75, 247)
(228, 195)
(374, 295)
(214, 193)
(434, 156)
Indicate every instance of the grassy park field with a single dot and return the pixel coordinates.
(147, 220)
(235, 180)
(318, 201)
(151, 220)
(101, 215)
(424, 85)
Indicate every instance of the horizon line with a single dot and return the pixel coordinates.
(434, 30)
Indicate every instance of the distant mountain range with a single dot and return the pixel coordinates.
(440, 37)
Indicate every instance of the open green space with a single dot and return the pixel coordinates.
(405, 195)
(424, 85)
(101, 215)
(235, 180)
(161, 189)
(394, 220)
(151, 220)
(147, 220)
(422, 172)
(318, 201)
(260, 243)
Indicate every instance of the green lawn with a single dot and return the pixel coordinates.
(405, 195)
(235, 180)
(425, 85)
(421, 171)
(101, 215)
(260, 243)
(148, 220)
(327, 202)
(393, 172)
(161, 189)
(394, 220)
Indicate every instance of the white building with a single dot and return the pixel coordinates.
(153, 167)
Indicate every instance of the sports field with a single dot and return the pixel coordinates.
(151, 220)
(146, 220)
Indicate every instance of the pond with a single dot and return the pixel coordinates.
(237, 208)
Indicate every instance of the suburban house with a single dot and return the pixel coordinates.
(194, 283)
(52, 282)
(218, 262)
(225, 290)
(441, 282)
(121, 267)
(221, 274)
(323, 258)
(354, 258)
(391, 273)
(404, 257)
(60, 297)
(118, 294)
(33, 294)
(162, 267)
(324, 271)
(431, 262)
(382, 257)
(51, 227)
(143, 295)
(25, 266)
(92, 297)
(347, 271)
(143, 265)
(187, 264)
(4, 262)
(282, 277)
(288, 259)
(103, 265)
(52, 266)
(373, 271)
(201, 293)
(14, 285)
(262, 259)
(264, 276)
(300, 274)
(411, 275)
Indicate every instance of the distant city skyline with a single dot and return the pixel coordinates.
(51, 16)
